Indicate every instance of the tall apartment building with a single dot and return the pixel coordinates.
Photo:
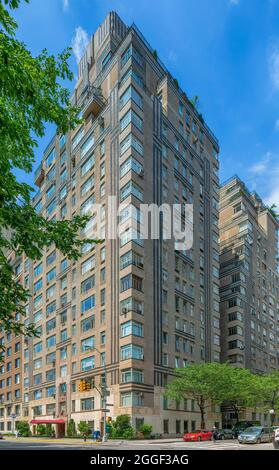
(144, 306)
(249, 303)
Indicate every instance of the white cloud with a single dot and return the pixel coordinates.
(79, 43)
(277, 125)
(65, 5)
(265, 178)
(234, 2)
(172, 56)
(273, 61)
(273, 197)
(262, 165)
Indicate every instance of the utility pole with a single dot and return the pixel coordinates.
(103, 392)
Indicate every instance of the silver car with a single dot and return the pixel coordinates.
(255, 435)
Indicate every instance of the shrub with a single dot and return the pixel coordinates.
(84, 428)
(71, 428)
(121, 423)
(129, 433)
(146, 430)
(23, 428)
(49, 430)
(121, 428)
(41, 429)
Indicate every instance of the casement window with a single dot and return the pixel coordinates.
(132, 375)
(131, 351)
(50, 158)
(87, 304)
(131, 94)
(88, 264)
(131, 189)
(129, 117)
(131, 328)
(87, 165)
(87, 146)
(77, 138)
(88, 363)
(131, 164)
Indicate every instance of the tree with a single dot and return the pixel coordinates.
(30, 96)
(269, 393)
(23, 428)
(121, 427)
(239, 389)
(71, 428)
(204, 383)
(273, 211)
(84, 428)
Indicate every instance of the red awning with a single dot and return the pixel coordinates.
(47, 421)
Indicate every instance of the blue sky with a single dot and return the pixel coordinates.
(224, 51)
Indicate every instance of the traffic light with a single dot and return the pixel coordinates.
(87, 386)
(81, 385)
(84, 386)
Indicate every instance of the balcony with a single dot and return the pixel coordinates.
(39, 175)
(90, 101)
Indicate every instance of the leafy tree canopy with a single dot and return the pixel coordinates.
(31, 95)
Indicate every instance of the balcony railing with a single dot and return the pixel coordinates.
(39, 175)
(90, 101)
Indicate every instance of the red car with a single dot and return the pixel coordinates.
(197, 436)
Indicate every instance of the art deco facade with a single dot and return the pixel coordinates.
(145, 307)
(249, 305)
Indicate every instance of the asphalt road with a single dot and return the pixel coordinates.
(152, 446)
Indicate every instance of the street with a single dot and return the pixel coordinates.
(164, 444)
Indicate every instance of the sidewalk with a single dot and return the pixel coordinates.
(79, 441)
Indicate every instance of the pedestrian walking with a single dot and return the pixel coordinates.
(215, 434)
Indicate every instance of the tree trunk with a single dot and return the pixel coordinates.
(201, 405)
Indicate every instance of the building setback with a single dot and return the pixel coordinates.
(249, 305)
(145, 307)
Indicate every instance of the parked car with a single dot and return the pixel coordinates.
(255, 435)
(1, 436)
(197, 436)
(275, 438)
(225, 434)
(240, 426)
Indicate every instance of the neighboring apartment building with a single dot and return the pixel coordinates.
(145, 307)
(249, 304)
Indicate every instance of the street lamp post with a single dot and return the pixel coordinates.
(271, 414)
(103, 392)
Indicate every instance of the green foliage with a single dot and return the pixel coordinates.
(84, 428)
(129, 433)
(195, 101)
(214, 383)
(41, 430)
(71, 428)
(273, 211)
(146, 430)
(23, 428)
(122, 422)
(49, 430)
(268, 393)
(121, 428)
(155, 54)
(31, 95)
